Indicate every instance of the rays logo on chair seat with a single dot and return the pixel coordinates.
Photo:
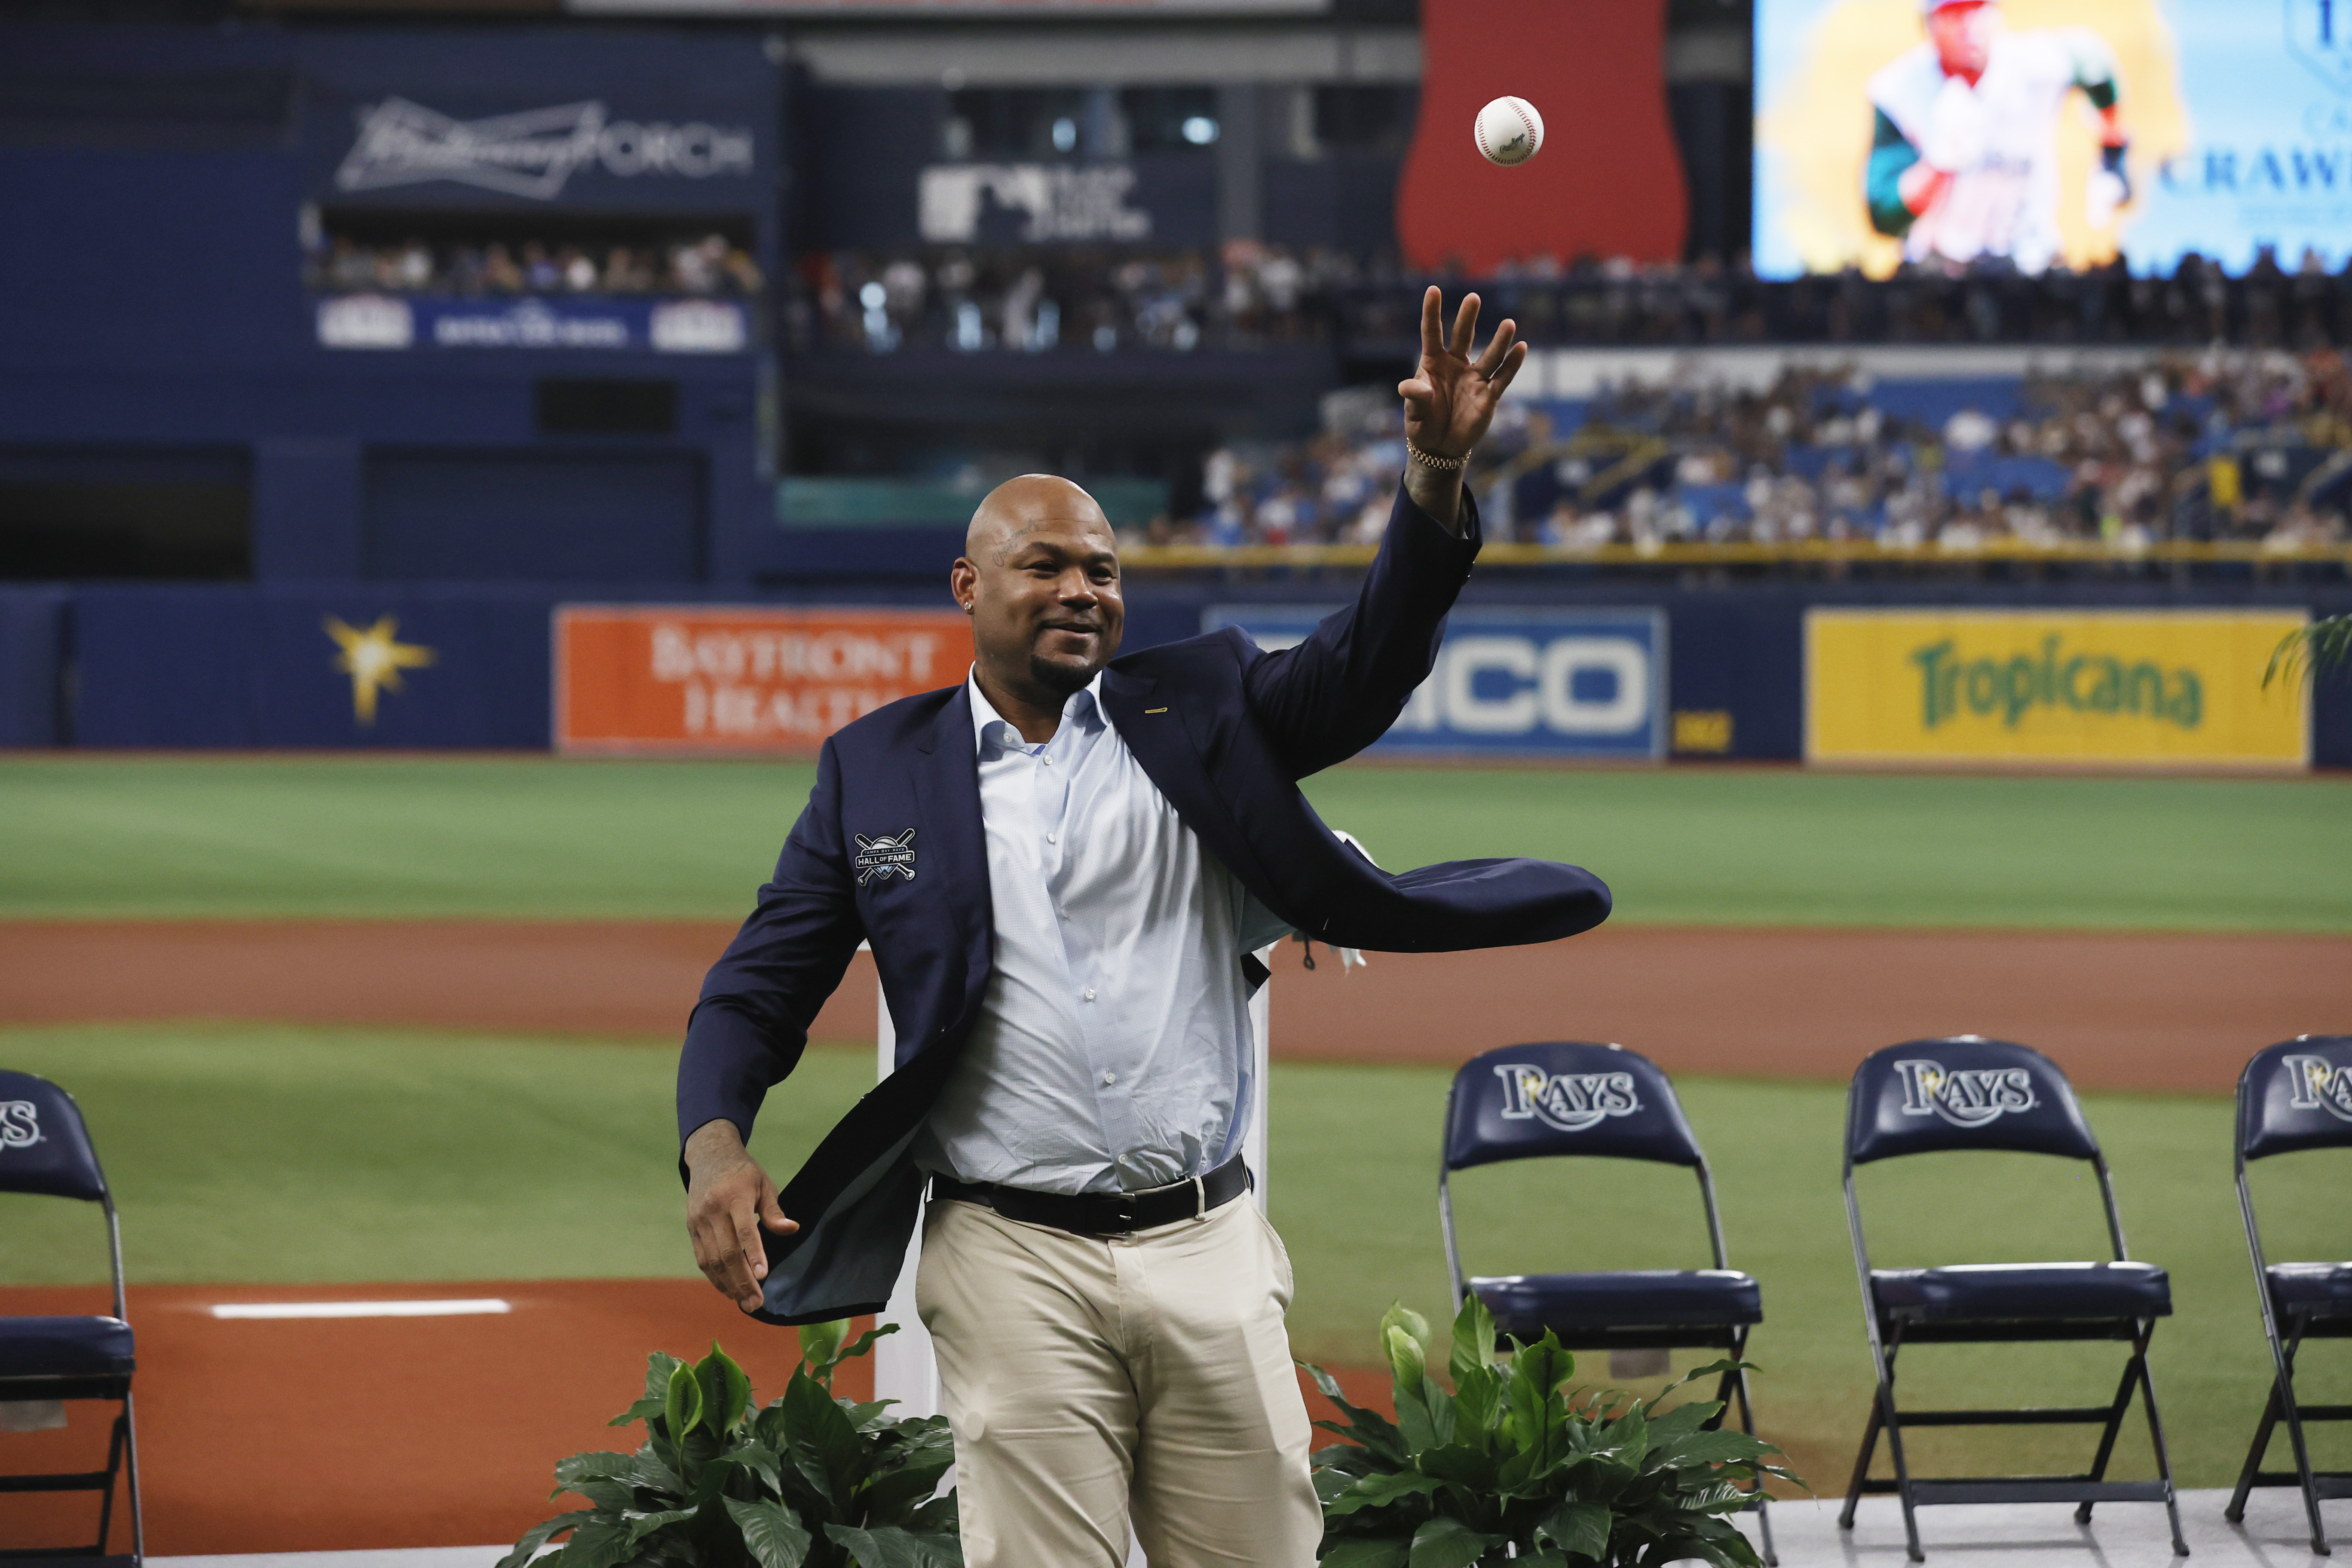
(2319, 1085)
(1968, 1098)
(1569, 1102)
(20, 1125)
(884, 857)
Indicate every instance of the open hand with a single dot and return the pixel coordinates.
(729, 1197)
(1450, 399)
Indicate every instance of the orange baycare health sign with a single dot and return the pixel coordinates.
(678, 679)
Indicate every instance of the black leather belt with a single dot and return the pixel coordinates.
(1105, 1213)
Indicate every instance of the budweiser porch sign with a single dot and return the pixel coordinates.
(679, 679)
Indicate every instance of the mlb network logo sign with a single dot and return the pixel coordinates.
(1570, 1102)
(1970, 1097)
(2320, 1085)
(1565, 683)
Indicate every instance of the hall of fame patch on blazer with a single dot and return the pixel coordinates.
(885, 856)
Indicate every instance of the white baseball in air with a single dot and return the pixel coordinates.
(1509, 131)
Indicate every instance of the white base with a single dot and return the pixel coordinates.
(2044, 1536)
(2024, 1535)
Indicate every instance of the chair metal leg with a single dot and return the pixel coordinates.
(1902, 1478)
(130, 1472)
(2116, 1413)
(2294, 1418)
(1893, 1421)
(2236, 1513)
(1861, 1460)
(1747, 1425)
(114, 1443)
(2156, 1440)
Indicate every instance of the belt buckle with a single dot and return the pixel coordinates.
(1123, 1211)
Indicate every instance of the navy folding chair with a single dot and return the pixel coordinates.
(44, 1149)
(1969, 1092)
(1547, 1101)
(2294, 1096)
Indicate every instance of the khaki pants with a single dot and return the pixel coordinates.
(1086, 1377)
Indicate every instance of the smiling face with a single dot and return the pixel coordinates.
(1040, 579)
(1962, 34)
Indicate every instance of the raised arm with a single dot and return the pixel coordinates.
(747, 1032)
(1449, 401)
(1338, 691)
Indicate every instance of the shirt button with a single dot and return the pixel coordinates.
(1109, 1077)
(1090, 993)
(1051, 839)
(1047, 761)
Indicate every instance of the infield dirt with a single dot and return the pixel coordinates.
(311, 1435)
(2119, 1011)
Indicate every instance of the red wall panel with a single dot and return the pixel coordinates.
(1608, 181)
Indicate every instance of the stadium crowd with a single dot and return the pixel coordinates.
(1249, 294)
(2217, 445)
(702, 263)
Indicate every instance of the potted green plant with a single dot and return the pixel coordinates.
(1506, 1468)
(810, 1481)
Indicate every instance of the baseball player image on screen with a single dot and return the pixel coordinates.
(1964, 157)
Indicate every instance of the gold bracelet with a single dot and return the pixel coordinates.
(1431, 460)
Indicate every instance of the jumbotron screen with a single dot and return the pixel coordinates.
(2041, 133)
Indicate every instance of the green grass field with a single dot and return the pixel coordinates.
(295, 1156)
(531, 837)
(255, 1153)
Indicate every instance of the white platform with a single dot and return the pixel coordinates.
(2036, 1535)
(405, 1557)
(2044, 1536)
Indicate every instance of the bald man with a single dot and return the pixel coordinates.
(1063, 866)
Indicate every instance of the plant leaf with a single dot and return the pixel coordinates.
(609, 1496)
(1372, 1492)
(887, 1546)
(539, 1535)
(1708, 1448)
(1681, 1418)
(821, 1345)
(598, 1545)
(646, 1524)
(1473, 1339)
(682, 1403)
(1367, 1427)
(1407, 1358)
(1400, 1316)
(865, 1342)
(751, 1455)
(632, 1469)
(1448, 1543)
(2308, 652)
(658, 1366)
(726, 1389)
(1581, 1529)
(822, 1445)
(887, 1497)
(638, 1412)
(774, 1536)
(1367, 1554)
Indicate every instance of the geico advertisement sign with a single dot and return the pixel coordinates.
(715, 678)
(1525, 682)
(2159, 686)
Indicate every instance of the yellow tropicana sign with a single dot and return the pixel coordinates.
(2156, 686)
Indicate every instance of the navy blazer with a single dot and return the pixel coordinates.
(1226, 731)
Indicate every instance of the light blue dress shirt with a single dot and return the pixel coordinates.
(1114, 1048)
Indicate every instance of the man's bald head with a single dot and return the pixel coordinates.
(1039, 577)
(1022, 506)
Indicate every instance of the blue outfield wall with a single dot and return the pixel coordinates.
(180, 666)
(32, 666)
(266, 665)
